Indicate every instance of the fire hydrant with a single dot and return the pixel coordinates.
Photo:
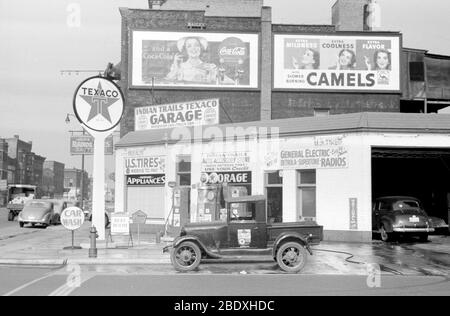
(93, 237)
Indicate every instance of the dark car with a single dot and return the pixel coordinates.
(400, 215)
(245, 232)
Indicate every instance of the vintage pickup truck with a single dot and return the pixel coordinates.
(245, 232)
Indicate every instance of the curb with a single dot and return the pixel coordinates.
(34, 262)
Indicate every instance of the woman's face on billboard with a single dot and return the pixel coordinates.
(308, 57)
(345, 58)
(193, 47)
(382, 60)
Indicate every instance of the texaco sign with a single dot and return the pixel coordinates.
(98, 104)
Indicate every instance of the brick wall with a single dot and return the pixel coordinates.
(348, 15)
(287, 105)
(236, 106)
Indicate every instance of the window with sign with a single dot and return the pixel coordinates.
(306, 195)
(184, 170)
(274, 192)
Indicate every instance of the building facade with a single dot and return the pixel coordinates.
(193, 70)
(73, 183)
(53, 179)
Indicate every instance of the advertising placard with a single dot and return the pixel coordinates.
(150, 179)
(186, 114)
(227, 177)
(72, 218)
(225, 161)
(323, 153)
(84, 145)
(120, 224)
(353, 204)
(143, 165)
(189, 59)
(337, 62)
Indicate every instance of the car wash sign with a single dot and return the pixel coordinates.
(184, 114)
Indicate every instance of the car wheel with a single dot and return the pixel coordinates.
(423, 237)
(291, 257)
(55, 220)
(21, 224)
(186, 256)
(10, 217)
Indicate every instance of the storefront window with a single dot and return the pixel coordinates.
(306, 195)
(274, 192)
(184, 170)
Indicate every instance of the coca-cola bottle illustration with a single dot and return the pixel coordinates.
(239, 74)
(221, 71)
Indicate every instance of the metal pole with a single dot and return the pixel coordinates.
(82, 179)
(73, 239)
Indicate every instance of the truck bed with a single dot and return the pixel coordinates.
(303, 228)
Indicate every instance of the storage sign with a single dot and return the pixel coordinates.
(186, 114)
(227, 177)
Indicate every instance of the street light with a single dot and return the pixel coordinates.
(82, 164)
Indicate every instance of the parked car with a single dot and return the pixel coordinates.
(245, 233)
(58, 206)
(439, 225)
(395, 215)
(40, 212)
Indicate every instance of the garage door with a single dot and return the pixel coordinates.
(150, 200)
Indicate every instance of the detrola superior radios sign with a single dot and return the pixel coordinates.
(184, 114)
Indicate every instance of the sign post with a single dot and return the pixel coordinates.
(72, 218)
(99, 105)
(139, 218)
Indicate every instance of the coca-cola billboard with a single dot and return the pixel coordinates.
(181, 59)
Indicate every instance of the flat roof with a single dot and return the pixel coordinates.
(302, 126)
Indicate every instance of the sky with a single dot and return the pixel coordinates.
(39, 38)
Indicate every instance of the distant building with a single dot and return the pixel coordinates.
(53, 179)
(72, 183)
(20, 151)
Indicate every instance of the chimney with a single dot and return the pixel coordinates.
(155, 4)
(349, 15)
(16, 136)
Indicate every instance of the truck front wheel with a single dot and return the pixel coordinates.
(292, 257)
(186, 256)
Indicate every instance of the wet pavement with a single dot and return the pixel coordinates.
(404, 257)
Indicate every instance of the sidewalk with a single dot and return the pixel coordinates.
(45, 247)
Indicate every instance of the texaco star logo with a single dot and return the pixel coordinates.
(98, 104)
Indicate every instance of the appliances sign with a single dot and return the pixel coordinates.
(194, 113)
(344, 62)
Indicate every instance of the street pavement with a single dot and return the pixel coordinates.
(33, 262)
(95, 280)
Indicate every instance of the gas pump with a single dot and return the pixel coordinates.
(211, 200)
(180, 213)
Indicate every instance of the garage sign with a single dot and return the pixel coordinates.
(227, 177)
(72, 218)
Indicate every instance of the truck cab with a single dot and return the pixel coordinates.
(18, 195)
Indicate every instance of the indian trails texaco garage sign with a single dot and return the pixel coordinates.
(98, 104)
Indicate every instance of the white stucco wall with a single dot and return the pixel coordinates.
(334, 187)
